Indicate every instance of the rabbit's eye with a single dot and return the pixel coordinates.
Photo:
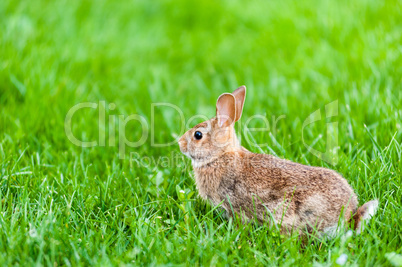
(198, 135)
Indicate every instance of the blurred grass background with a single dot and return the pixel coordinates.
(62, 204)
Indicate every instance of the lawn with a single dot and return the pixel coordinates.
(145, 68)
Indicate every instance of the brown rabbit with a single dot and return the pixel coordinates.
(291, 195)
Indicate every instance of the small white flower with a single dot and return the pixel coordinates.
(349, 234)
(342, 259)
(33, 233)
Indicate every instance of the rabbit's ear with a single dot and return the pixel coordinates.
(226, 110)
(240, 96)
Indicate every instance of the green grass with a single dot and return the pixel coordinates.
(66, 205)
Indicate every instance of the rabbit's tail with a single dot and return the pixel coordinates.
(363, 214)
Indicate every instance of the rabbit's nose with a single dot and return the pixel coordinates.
(182, 140)
(183, 145)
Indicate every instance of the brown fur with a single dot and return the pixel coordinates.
(261, 186)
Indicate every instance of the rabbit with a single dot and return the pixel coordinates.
(293, 196)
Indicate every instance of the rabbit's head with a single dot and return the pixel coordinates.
(210, 139)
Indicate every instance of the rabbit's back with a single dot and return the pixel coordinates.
(298, 195)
